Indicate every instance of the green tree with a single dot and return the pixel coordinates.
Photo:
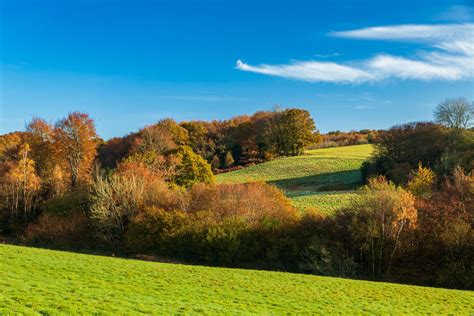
(290, 131)
(191, 168)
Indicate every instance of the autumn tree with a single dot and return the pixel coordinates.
(76, 138)
(115, 150)
(403, 147)
(421, 182)
(377, 220)
(161, 138)
(9, 144)
(163, 166)
(191, 168)
(41, 139)
(21, 185)
(290, 131)
(199, 138)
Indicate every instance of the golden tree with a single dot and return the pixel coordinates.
(382, 213)
(421, 182)
(21, 185)
(39, 134)
(76, 140)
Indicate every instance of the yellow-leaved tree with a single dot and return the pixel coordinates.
(20, 188)
(381, 214)
(421, 182)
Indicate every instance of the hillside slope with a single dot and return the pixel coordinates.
(44, 281)
(322, 178)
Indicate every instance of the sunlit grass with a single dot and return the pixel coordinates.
(323, 202)
(307, 179)
(34, 281)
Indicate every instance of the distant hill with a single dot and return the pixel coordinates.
(322, 178)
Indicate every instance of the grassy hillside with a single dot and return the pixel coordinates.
(327, 201)
(45, 281)
(304, 178)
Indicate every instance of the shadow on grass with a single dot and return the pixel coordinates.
(332, 181)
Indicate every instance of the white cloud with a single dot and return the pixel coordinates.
(392, 66)
(414, 32)
(311, 71)
(449, 56)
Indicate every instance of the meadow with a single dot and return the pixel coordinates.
(51, 282)
(324, 179)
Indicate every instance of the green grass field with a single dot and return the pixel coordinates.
(325, 202)
(312, 180)
(38, 281)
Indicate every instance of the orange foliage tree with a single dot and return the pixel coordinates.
(76, 141)
(39, 134)
(21, 185)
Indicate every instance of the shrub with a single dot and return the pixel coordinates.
(215, 224)
(258, 202)
(155, 229)
(457, 267)
(115, 200)
(229, 160)
(74, 201)
(215, 162)
(71, 231)
(421, 182)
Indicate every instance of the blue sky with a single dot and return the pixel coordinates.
(352, 64)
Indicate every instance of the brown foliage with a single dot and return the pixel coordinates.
(255, 202)
(455, 199)
(71, 232)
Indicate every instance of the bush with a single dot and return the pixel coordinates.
(258, 202)
(421, 182)
(71, 231)
(216, 224)
(155, 229)
(70, 202)
(457, 268)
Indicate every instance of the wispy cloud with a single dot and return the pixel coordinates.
(327, 55)
(312, 71)
(449, 55)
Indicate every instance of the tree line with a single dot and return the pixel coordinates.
(153, 193)
(50, 160)
(241, 140)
